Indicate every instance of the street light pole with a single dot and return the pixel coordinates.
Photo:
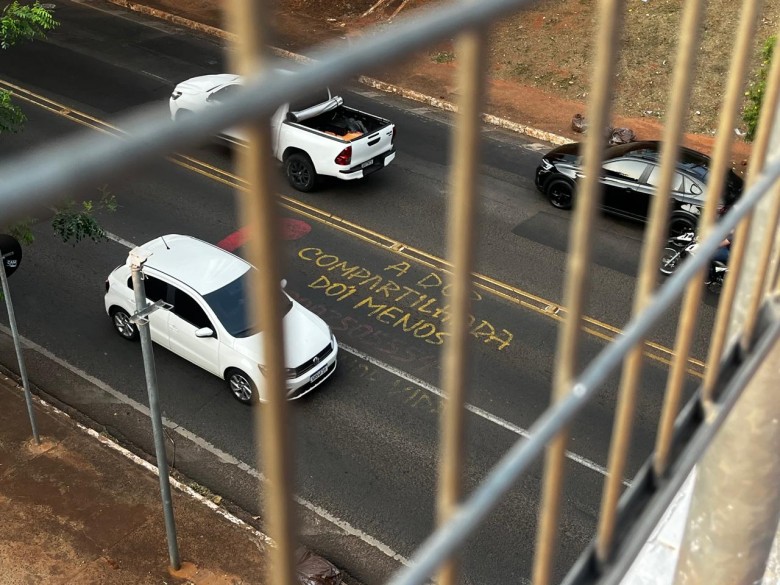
(137, 258)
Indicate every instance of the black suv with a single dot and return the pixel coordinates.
(630, 176)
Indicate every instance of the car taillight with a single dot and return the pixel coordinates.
(107, 285)
(394, 131)
(175, 95)
(345, 156)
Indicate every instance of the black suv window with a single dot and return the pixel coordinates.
(154, 288)
(188, 309)
(631, 170)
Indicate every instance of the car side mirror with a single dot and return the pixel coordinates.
(205, 332)
(284, 283)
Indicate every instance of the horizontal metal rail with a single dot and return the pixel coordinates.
(61, 170)
(445, 540)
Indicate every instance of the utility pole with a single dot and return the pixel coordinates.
(137, 258)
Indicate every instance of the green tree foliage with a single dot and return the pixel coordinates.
(76, 220)
(20, 22)
(755, 93)
(24, 22)
(11, 116)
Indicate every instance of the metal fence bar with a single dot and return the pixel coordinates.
(759, 154)
(673, 133)
(471, 53)
(735, 504)
(81, 161)
(259, 211)
(734, 94)
(577, 281)
(446, 539)
(648, 499)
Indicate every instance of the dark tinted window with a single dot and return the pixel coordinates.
(631, 170)
(695, 164)
(155, 288)
(231, 306)
(222, 94)
(188, 309)
(655, 177)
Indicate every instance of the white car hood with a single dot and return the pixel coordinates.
(305, 335)
(207, 83)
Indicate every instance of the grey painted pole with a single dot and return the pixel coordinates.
(154, 407)
(19, 354)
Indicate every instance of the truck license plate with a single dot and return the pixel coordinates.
(368, 163)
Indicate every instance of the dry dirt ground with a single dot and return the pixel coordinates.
(540, 59)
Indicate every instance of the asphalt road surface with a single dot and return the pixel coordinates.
(367, 442)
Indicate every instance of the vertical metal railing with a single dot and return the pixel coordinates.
(610, 14)
(573, 384)
(673, 133)
(471, 51)
(258, 207)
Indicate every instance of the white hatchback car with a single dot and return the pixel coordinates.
(207, 319)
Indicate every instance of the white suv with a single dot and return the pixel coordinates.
(207, 317)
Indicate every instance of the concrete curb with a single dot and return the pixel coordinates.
(368, 81)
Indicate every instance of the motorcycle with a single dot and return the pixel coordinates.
(681, 247)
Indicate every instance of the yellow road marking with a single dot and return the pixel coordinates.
(527, 300)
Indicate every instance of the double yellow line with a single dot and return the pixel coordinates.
(594, 327)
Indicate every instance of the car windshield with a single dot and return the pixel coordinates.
(230, 305)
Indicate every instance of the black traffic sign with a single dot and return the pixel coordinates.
(12, 253)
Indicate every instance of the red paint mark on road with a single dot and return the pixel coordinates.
(290, 229)
(235, 240)
(294, 229)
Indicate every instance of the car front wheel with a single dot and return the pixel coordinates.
(123, 325)
(300, 172)
(560, 193)
(241, 386)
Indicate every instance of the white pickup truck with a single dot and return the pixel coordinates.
(314, 136)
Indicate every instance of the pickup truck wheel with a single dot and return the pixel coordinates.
(300, 172)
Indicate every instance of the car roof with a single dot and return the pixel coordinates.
(198, 264)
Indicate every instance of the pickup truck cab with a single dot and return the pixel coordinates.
(316, 135)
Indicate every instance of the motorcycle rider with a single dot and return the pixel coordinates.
(721, 255)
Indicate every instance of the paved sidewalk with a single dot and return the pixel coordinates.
(76, 510)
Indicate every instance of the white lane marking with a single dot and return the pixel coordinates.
(224, 457)
(119, 240)
(592, 465)
(471, 408)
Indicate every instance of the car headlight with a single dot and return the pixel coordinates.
(290, 373)
(546, 164)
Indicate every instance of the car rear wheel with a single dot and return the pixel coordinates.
(680, 223)
(123, 325)
(241, 386)
(560, 193)
(300, 172)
